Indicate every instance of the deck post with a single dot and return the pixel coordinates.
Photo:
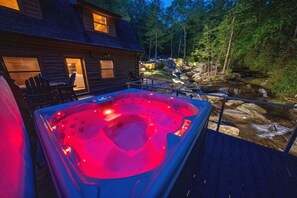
(221, 114)
(291, 141)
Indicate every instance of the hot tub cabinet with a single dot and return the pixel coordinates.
(131, 143)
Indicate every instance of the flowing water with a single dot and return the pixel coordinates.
(274, 130)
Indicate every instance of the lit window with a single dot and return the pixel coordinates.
(100, 23)
(75, 65)
(106, 68)
(21, 68)
(13, 4)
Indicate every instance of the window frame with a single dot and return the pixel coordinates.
(11, 9)
(20, 56)
(97, 22)
(107, 69)
(84, 71)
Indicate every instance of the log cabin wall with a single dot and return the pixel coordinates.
(31, 8)
(51, 55)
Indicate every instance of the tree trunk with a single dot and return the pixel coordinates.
(185, 40)
(171, 45)
(156, 42)
(179, 46)
(295, 34)
(229, 45)
(229, 59)
(150, 49)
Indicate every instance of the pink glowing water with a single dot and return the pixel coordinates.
(124, 139)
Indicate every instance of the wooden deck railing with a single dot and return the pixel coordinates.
(177, 92)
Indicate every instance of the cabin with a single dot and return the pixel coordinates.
(56, 38)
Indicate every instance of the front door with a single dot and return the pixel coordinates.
(75, 65)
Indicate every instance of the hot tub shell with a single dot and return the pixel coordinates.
(158, 180)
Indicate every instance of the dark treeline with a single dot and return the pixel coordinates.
(257, 34)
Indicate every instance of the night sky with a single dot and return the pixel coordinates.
(167, 2)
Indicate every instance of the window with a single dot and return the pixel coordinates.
(21, 68)
(100, 23)
(106, 68)
(74, 65)
(13, 4)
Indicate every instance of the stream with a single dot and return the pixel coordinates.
(267, 125)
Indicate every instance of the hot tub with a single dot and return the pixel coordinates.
(125, 144)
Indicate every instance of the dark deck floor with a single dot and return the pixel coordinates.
(232, 167)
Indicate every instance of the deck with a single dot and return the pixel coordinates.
(232, 167)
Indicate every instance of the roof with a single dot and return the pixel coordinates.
(63, 21)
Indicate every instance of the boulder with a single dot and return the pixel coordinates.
(149, 65)
(226, 129)
(215, 99)
(186, 68)
(230, 103)
(236, 116)
(184, 77)
(196, 77)
(250, 106)
(169, 63)
(190, 74)
(142, 69)
(255, 112)
(201, 67)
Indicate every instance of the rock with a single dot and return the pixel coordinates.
(295, 109)
(252, 106)
(149, 65)
(209, 89)
(184, 78)
(226, 129)
(215, 99)
(236, 116)
(263, 92)
(142, 69)
(190, 74)
(255, 112)
(191, 64)
(170, 63)
(230, 103)
(186, 68)
(194, 85)
(196, 77)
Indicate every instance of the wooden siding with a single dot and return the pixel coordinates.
(31, 8)
(89, 23)
(51, 55)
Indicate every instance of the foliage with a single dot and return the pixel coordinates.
(260, 35)
(284, 80)
(228, 71)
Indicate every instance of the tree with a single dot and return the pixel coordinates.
(155, 32)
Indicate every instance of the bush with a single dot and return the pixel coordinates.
(228, 71)
(284, 80)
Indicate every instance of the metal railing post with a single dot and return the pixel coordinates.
(291, 141)
(221, 114)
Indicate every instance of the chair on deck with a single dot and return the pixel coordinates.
(133, 78)
(67, 92)
(39, 93)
